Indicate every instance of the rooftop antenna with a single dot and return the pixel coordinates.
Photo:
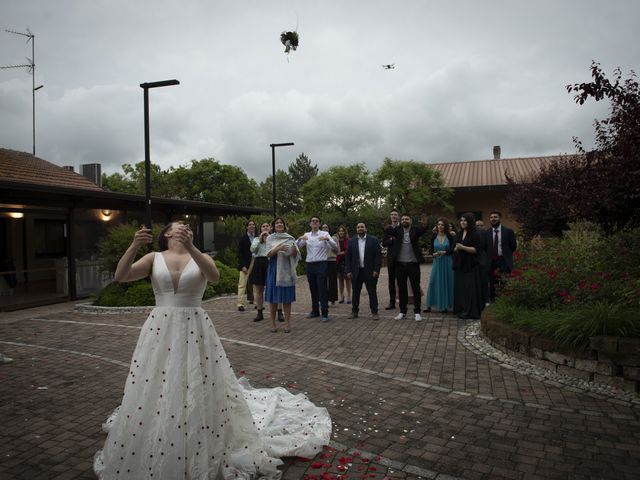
(31, 68)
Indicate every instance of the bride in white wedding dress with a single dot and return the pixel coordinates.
(184, 414)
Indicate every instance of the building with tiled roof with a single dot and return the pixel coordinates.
(23, 167)
(481, 186)
(51, 220)
(490, 173)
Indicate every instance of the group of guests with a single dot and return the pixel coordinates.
(468, 263)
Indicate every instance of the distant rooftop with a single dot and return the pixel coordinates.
(488, 173)
(25, 168)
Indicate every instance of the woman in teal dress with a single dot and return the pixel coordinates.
(440, 291)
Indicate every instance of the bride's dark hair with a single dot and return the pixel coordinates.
(163, 242)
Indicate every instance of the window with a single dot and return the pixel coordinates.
(49, 238)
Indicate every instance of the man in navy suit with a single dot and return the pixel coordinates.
(362, 265)
(501, 243)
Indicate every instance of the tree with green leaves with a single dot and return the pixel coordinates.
(341, 189)
(208, 180)
(132, 180)
(412, 187)
(205, 180)
(288, 185)
(601, 186)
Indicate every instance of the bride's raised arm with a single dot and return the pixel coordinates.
(206, 264)
(127, 270)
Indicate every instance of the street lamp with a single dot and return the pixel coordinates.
(273, 164)
(147, 156)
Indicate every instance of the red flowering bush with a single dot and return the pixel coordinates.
(584, 279)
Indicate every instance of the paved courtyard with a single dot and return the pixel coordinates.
(408, 399)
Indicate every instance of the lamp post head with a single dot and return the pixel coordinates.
(288, 144)
(162, 83)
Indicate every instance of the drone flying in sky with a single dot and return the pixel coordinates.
(389, 66)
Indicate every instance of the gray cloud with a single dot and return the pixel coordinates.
(469, 76)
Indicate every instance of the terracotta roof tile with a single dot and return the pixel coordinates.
(483, 173)
(23, 167)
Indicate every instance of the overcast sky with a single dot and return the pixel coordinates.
(470, 74)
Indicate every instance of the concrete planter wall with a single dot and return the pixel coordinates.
(614, 361)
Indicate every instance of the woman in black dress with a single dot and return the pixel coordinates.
(468, 297)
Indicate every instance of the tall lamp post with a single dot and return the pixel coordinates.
(147, 155)
(32, 69)
(273, 165)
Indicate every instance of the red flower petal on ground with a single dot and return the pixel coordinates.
(326, 476)
(317, 465)
(291, 385)
(364, 460)
(324, 455)
(582, 284)
(373, 469)
(342, 460)
(243, 372)
(342, 468)
(595, 287)
(376, 458)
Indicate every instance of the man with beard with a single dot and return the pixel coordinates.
(407, 255)
(501, 243)
(362, 265)
(389, 242)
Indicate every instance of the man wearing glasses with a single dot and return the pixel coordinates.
(317, 242)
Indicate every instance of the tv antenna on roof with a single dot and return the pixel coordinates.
(31, 68)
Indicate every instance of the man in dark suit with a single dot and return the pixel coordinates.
(407, 255)
(362, 265)
(501, 243)
(389, 241)
(245, 289)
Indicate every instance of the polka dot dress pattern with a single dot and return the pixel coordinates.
(185, 415)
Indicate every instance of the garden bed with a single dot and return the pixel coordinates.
(614, 361)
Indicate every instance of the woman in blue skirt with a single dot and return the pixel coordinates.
(281, 272)
(440, 292)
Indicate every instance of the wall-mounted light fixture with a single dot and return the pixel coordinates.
(105, 215)
(16, 214)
